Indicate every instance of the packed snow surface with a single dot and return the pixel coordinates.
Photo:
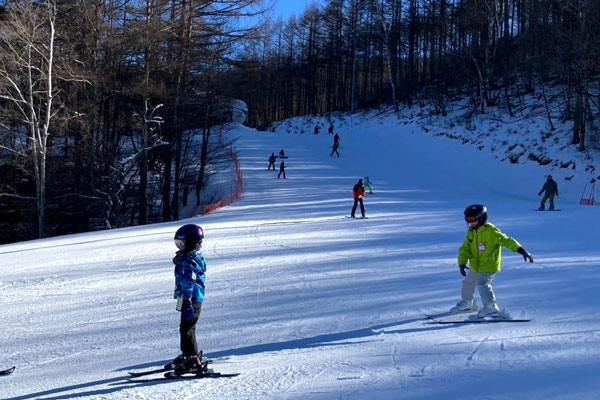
(308, 304)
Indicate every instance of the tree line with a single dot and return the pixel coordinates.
(97, 100)
(345, 54)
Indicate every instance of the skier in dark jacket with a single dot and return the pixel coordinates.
(190, 269)
(281, 170)
(551, 189)
(336, 145)
(334, 149)
(358, 192)
(330, 131)
(272, 160)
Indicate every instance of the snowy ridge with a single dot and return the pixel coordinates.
(308, 304)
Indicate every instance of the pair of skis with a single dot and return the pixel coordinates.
(436, 319)
(168, 373)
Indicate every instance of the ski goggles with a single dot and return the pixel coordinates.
(180, 243)
(471, 219)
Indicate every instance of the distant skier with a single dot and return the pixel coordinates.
(281, 170)
(334, 149)
(330, 131)
(368, 185)
(316, 129)
(272, 160)
(282, 154)
(336, 145)
(482, 249)
(358, 192)
(190, 269)
(551, 189)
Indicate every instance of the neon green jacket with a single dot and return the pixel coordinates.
(483, 249)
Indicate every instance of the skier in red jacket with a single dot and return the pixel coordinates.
(359, 193)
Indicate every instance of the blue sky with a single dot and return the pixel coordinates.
(286, 8)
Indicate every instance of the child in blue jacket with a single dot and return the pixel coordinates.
(190, 278)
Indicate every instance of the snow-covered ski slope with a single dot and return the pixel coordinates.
(308, 304)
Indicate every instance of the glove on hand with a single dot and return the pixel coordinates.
(462, 270)
(525, 254)
(187, 311)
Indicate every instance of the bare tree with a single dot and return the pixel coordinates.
(388, 12)
(581, 51)
(28, 81)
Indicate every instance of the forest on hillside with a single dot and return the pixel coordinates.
(98, 98)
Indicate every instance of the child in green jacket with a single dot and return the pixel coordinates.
(482, 249)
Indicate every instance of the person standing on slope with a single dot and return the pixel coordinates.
(336, 145)
(281, 170)
(368, 184)
(551, 189)
(272, 160)
(482, 249)
(190, 278)
(358, 192)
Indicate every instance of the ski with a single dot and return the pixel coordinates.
(478, 321)
(149, 372)
(8, 371)
(450, 313)
(166, 368)
(171, 376)
(557, 209)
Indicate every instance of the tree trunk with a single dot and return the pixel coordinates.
(142, 191)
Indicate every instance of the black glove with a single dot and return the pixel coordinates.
(525, 254)
(188, 310)
(462, 270)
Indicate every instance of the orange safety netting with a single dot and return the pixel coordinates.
(235, 196)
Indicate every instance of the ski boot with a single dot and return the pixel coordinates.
(464, 306)
(179, 360)
(490, 310)
(192, 365)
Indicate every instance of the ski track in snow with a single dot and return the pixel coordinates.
(308, 304)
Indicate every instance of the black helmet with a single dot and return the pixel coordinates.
(477, 211)
(189, 237)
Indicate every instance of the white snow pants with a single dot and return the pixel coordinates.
(483, 283)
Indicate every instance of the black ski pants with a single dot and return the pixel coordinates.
(362, 207)
(187, 332)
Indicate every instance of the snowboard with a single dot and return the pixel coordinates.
(7, 371)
